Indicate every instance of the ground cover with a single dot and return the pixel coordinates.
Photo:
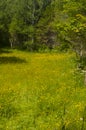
(41, 91)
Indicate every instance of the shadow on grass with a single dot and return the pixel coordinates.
(8, 111)
(5, 51)
(11, 59)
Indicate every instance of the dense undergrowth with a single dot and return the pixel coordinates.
(41, 91)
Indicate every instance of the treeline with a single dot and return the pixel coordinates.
(41, 24)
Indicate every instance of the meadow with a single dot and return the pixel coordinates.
(41, 91)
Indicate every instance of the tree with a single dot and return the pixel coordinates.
(34, 24)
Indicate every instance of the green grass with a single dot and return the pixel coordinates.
(41, 91)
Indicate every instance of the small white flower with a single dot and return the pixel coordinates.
(81, 119)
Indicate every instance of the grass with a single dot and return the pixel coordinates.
(41, 91)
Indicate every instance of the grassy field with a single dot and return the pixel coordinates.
(41, 91)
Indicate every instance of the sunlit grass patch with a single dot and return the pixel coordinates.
(43, 92)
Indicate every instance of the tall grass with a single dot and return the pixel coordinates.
(41, 91)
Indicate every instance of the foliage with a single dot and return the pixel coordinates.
(31, 24)
(71, 26)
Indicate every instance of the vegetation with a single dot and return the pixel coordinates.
(45, 90)
(38, 24)
(41, 91)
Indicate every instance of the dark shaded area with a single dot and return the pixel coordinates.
(4, 37)
(8, 111)
(82, 63)
(11, 59)
(5, 51)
